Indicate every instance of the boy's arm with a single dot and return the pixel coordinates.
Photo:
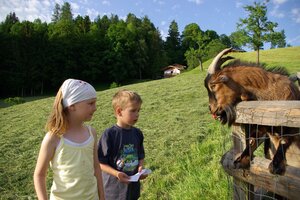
(98, 172)
(45, 155)
(120, 175)
(141, 167)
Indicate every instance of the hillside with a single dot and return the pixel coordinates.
(183, 143)
(281, 57)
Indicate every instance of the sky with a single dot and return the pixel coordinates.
(221, 16)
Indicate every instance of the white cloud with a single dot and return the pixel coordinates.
(276, 12)
(296, 14)
(92, 13)
(163, 23)
(106, 3)
(83, 1)
(123, 17)
(277, 2)
(163, 34)
(198, 2)
(74, 6)
(27, 10)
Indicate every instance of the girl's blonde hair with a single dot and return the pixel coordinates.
(123, 97)
(57, 122)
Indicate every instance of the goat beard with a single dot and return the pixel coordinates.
(228, 115)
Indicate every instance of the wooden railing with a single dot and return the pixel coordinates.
(252, 182)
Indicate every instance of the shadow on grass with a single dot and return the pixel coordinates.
(3, 104)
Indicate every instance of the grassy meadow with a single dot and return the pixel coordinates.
(183, 143)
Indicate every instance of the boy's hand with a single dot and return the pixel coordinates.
(123, 177)
(143, 176)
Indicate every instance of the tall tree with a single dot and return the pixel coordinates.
(56, 13)
(65, 26)
(256, 26)
(83, 24)
(173, 44)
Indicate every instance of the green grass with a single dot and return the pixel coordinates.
(281, 57)
(183, 144)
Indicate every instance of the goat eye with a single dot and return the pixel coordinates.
(212, 86)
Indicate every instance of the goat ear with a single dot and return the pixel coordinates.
(220, 79)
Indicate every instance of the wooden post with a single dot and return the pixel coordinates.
(270, 113)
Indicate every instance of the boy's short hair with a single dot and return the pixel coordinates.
(123, 97)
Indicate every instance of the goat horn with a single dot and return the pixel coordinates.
(216, 64)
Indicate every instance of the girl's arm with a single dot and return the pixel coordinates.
(98, 172)
(45, 155)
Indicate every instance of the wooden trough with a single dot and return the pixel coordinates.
(251, 183)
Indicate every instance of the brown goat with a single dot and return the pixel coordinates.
(238, 82)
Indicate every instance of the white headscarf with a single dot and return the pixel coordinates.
(74, 91)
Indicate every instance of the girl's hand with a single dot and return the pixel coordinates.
(123, 177)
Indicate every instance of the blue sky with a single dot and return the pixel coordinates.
(219, 15)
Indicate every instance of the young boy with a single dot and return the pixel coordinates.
(121, 151)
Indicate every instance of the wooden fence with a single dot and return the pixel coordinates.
(257, 180)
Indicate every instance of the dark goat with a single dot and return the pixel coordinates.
(238, 82)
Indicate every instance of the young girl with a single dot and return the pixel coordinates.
(70, 146)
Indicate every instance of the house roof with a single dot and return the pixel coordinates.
(177, 66)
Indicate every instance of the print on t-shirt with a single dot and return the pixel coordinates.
(128, 160)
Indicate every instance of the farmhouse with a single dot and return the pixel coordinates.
(173, 70)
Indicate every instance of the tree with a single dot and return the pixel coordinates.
(225, 40)
(197, 41)
(277, 39)
(172, 44)
(256, 26)
(238, 39)
(83, 24)
(189, 35)
(214, 47)
(65, 26)
(56, 13)
(156, 56)
(10, 20)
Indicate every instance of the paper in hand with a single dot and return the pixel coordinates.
(136, 177)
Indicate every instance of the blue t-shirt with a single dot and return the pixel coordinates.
(121, 149)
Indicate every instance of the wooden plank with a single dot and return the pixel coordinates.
(287, 185)
(272, 113)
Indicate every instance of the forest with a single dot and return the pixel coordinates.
(35, 57)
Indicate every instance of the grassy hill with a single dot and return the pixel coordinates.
(183, 143)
